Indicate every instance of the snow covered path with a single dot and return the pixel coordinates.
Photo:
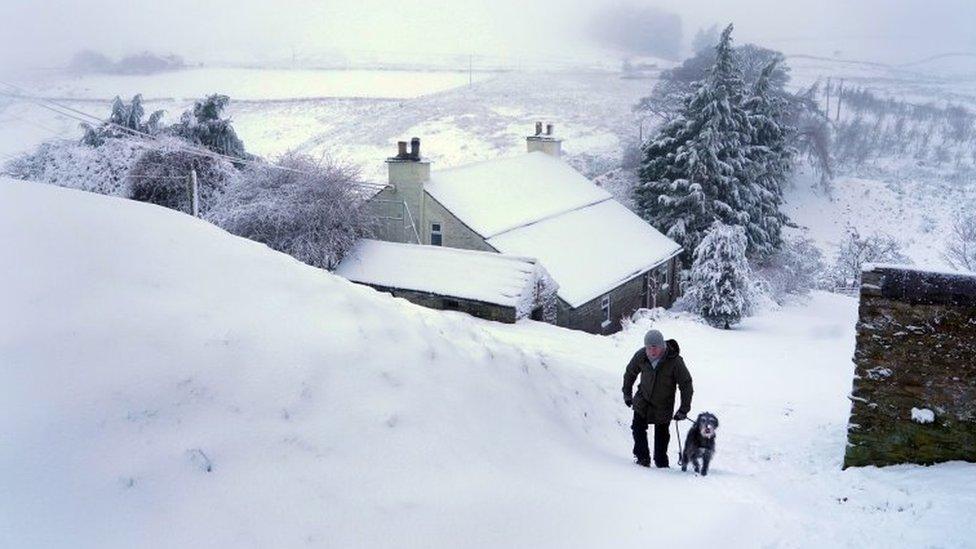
(778, 384)
(163, 383)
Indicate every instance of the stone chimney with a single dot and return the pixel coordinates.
(546, 141)
(408, 172)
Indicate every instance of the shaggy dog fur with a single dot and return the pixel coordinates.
(700, 443)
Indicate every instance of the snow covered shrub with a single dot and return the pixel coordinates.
(544, 292)
(203, 125)
(718, 282)
(793, 270)
(307, 208)
(854, 251)
(161, 176)
(71, 164)
(124, 116)
(960, 249)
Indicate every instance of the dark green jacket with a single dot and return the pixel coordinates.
(655, 394)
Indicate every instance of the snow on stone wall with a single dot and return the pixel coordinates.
(914, 392)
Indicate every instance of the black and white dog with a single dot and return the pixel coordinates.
(700, 443)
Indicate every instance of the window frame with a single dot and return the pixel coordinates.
(437, 232)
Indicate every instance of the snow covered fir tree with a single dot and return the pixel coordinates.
(718, 283)
(723, 157)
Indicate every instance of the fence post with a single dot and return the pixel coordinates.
(194, 192)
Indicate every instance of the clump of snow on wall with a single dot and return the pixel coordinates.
(923, 415)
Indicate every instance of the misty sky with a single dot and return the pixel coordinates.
(47, 32)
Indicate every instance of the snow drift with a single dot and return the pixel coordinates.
(166, 384)
(141, 346)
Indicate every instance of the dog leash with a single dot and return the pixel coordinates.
(681, 454)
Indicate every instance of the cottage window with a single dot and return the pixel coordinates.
(436, 236)
(605, 308)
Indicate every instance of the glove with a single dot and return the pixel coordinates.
(679, 415)
(628, 401)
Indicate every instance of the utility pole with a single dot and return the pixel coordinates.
(194, 193)
(470, 64)
(827, 110)
(840, 96)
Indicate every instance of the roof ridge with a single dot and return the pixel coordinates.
(453, 250)
(550, 216)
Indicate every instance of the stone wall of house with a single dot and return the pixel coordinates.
(914, 392)
(480, 309)
(455, 234)
(624, 300)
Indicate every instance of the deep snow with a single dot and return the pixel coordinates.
(138, 345)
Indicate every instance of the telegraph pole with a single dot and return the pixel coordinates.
(840, 96)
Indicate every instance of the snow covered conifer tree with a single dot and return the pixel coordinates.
(693, 171)
(719, 278)
(770, 161)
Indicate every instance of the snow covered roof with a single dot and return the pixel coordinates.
(482, 276)
(500, 195)
(590, 250)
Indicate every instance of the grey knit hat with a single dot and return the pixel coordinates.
(653, 338)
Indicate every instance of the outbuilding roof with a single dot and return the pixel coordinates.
(489, 277)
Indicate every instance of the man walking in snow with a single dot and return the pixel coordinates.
(661, 370)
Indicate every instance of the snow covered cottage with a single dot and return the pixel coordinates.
(607, 261)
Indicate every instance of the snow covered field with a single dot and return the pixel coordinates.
(255, 84)
(166, 384)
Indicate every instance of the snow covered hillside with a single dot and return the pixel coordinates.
(164, 383)
(592, 111)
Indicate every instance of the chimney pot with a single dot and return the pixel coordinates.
(401, 149)
(548, 129)
(538, 128)
(415, 148)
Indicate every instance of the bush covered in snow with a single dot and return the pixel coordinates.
(307, 208)
(124, 121)
(136, 156)
(64, 163)
(161, 176)
(719, 280)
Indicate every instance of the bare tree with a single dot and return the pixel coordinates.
(960, 249)
(856, 250)
(311, 209)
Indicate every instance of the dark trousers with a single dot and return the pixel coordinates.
(662, 437)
